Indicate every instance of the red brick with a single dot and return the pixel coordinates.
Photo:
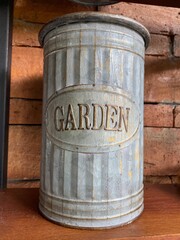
(159, 45)
(44, 11)
(177, 117)
(162, 179)
(27, 72)
(177, 46)
(157, 19)
(162, 151)
(25, 111)
(25, 34)
(162, 79)
(23, 184)
(159, 115)
(24, 152)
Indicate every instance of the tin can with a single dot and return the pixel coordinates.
(92, 151)
(96, 2)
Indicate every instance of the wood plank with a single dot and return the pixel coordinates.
(44, 11)
(27, 72)
(161, 152)
(23, 111)
(159, 20)
(160, 219)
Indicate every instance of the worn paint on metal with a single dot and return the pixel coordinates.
(92, 155)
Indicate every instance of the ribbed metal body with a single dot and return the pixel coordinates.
(92, 153)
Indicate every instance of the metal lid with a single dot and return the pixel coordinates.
(96, 2)
(85, 17)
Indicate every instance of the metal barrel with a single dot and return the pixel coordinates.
(92, 148)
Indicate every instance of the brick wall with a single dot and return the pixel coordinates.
(162, 88)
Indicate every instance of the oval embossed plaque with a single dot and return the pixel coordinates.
(90, 118)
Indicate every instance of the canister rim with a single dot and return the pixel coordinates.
(102, 3)
(84, 17)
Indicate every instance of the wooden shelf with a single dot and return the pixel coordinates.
(20, 219)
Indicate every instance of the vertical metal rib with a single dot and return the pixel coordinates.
(72, 73)
(81, 180)
(55, 171)
(115, 170)
(51, 77)
(74, 174)
(67, 174)
(105, 66)
(89, 176)
(137, 78)
(97, 181)
(137, 164)
(128, 72)
(115, 68)
(125, 157)
(102, 66)
(47, 168)
(61, 69)
(104, 176)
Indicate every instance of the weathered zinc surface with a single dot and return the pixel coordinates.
(92, 157)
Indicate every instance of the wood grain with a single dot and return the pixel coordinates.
(160, 220)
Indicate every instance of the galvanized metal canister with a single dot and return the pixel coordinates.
(92, 154)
